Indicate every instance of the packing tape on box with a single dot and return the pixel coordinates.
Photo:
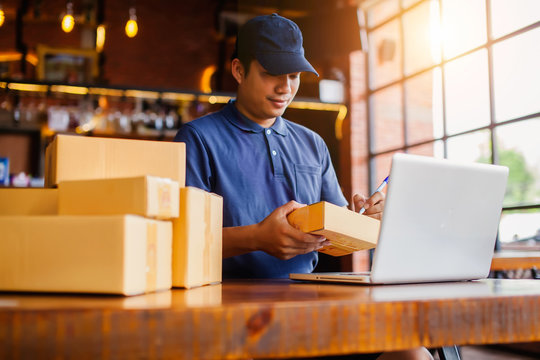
(207, 236)
(164, 199)
(151, 257)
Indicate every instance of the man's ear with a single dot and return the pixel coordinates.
(238, 71)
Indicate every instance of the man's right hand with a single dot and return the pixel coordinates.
(277, 237)
(274, 235)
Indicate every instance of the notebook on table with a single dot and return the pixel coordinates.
(439, 223)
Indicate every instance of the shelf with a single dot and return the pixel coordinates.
(153, 94)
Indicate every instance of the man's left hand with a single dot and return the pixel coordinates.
(374, 205)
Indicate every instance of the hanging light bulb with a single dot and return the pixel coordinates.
(131, 26)
(68, 21)
(2, 15)
(100, 38)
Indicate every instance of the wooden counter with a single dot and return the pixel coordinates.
(514, 260)
(244, 319)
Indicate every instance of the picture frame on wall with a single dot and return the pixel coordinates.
(66, 65)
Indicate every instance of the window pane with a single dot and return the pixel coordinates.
(508, 16)
(387, 119)
(382, 11)
(463, 26)
(424, 107)
(519, 229)
(385, 55)
(467, 93)
(516, 75)
(473, 147)
(434, 149)
(406, 3)
(421, 37)
(518, 148)
(382, 169)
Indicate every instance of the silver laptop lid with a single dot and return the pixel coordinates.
(440, 220)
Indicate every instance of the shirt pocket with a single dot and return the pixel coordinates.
(308, 183)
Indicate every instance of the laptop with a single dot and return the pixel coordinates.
(439, 223)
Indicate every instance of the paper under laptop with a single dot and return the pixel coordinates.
(439, 223)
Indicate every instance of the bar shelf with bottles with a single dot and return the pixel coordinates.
(113, 111)
(27, 107)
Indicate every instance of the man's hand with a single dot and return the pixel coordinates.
(374, 205)
(279, 238)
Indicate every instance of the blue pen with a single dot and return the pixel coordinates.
(383, 184)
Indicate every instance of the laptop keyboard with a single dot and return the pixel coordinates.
(356, 273)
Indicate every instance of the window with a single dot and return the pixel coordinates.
(385, 59)
(519, 149)
(422, 47)
(459, 79)
(463, 26)
(467, 92)
(508, 16)
(387, 111)
(516, 75)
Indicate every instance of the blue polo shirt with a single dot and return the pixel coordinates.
(256, 170)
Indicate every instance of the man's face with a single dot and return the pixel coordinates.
(263, 96)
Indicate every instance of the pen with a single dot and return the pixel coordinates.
(383, 184)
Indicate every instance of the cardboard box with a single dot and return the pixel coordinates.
(347, 230)
(125, 255)
(84, 158)
(197, 239)
(28, 201)
(147, 196)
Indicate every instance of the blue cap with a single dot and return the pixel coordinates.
(276, 42)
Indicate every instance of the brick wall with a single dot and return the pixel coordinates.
(176, 39)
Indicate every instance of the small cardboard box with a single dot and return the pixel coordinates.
(197, 239)
(83, 158)
(347, 230)
(28, 201)
(125, 255)
(147, 196)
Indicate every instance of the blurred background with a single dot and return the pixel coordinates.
(456, 79)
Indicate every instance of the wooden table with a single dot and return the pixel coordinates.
(285, 319)
(514, 259)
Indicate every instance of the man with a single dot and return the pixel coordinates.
(263, 165)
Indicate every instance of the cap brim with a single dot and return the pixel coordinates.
(284, 63)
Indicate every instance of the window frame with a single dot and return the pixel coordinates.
(488, 45)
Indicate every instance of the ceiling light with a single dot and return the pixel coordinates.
(131, 26)
(68, 21)
(100, 38)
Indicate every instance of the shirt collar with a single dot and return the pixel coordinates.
(244, 123)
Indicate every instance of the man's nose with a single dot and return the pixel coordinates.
(284, 84)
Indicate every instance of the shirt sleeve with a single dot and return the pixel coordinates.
(330, 189)
(198, 167)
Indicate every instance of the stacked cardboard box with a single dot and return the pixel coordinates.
(96, 254)
(108, 228)
(32, 201)
(85, 158)
(197, 246)
(147, 196)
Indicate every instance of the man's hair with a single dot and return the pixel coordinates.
(245, 58)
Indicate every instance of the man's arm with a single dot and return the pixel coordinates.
(274, 235)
